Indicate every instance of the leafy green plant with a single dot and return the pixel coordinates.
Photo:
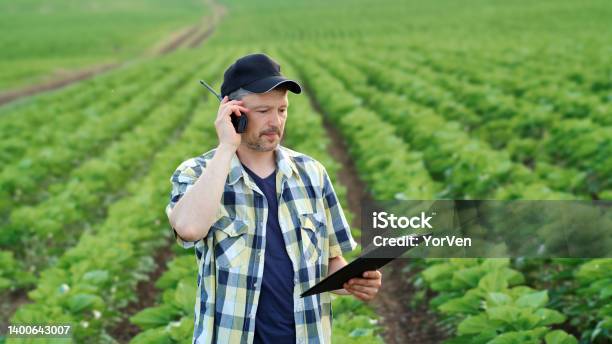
(595, 293)
(486, 300)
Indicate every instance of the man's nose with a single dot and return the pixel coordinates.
(276, 119)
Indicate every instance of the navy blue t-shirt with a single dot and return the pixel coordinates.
(274, 322)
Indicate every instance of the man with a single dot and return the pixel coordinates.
(264, 220)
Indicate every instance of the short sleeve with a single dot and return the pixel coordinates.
(340, 239)
(182, 180)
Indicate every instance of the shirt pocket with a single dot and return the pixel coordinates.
(312, 240)
(230, 242)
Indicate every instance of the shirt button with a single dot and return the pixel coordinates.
(259, 253)
(295, 280)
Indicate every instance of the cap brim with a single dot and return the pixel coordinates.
(270, 83)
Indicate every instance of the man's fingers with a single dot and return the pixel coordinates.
(242, 108)
(363, 289)
(372, 274)
(233, 107)
(234, 102)
(362, 296)
(360, 288)
(367, 282)
(237, 109)
(229, 108)
(225, 103)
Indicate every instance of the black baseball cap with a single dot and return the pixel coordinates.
(257, 73)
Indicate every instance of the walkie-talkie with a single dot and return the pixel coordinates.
(239, 122)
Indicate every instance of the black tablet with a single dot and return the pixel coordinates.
(357, 267)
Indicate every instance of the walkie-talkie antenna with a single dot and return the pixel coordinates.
(239, 123)
(211, 90)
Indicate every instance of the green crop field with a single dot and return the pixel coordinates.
(42, 38)
(418, 100)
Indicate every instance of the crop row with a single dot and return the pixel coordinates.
(531, 130)
(579, 289)
(575, 92)
(529, 135)
(591, 313)
(469, 168)
(88, 185)
(50, 163)
(43, 119)
(522, 73)
(47, 228)
(487, 301)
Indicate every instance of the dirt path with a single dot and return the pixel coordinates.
(147, 296)
(56, 83)
(355, 187)
(218, 12)
(190, 37)
(179, 40)
(403, 320)
(9, 303)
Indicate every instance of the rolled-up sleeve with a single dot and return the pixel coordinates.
(182, 180)
(340, 239)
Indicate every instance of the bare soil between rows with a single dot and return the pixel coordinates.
(147, 296)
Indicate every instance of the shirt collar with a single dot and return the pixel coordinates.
(286, 166)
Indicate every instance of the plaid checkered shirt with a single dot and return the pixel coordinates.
(231, 256)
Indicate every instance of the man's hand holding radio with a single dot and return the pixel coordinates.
(225, 130)
(195, 212)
